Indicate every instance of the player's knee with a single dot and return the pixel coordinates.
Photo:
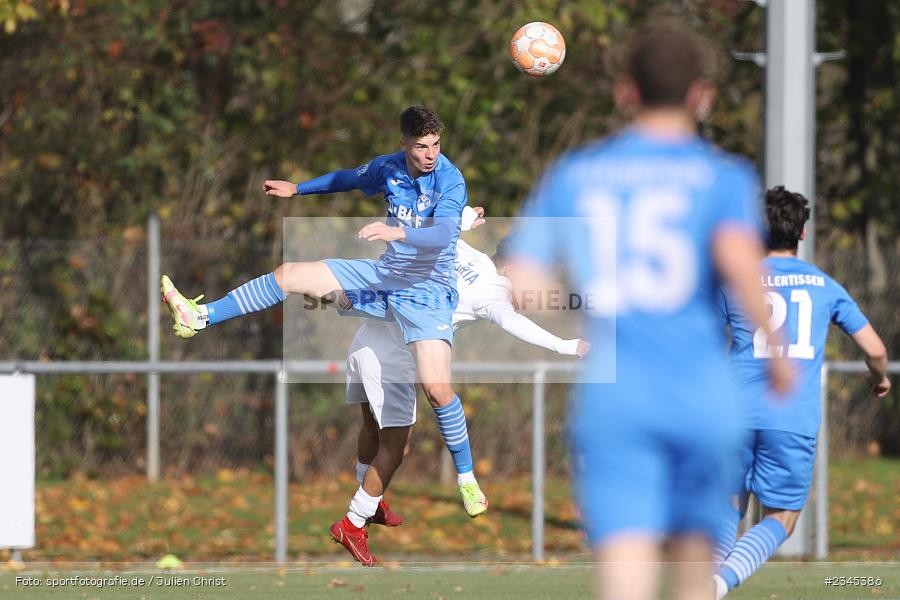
(438, 394)
(300, 278)
(287, 275)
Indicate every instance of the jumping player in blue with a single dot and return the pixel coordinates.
(779, 449)
(645, 222)
(412, 283)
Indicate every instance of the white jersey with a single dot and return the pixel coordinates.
(380, 367)
(479, 285)
(485, 294)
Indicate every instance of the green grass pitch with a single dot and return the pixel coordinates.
(780, 581)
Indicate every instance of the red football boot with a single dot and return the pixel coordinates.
(385, 516)
(354, 539)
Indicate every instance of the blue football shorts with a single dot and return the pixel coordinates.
(644, 466)
(421, 307)
(777, 467)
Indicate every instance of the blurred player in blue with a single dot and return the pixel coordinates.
(779, 449)
(413, 283)
(645, 223)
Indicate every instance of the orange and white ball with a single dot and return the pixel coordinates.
(537, 49)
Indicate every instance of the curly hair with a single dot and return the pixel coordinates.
(786, 213)
(418, 121)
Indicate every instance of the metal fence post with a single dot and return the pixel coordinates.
(822, 474)
(281, 466)
(537, 466)
(153, 346)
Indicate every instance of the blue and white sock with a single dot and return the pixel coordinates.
(751, 551)
(726, 537)
(255, 295)
(452, 424)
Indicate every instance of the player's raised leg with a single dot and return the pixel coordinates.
(433, 365)
(310, 278)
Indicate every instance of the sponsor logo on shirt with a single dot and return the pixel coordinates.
(423, 202)
(362, 170)
(404, 214)
(467, 272)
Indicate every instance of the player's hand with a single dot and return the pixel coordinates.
(277, 187)
(880, 385)
(480, 220)
(582, 349)
(781, 375)
(381, 231)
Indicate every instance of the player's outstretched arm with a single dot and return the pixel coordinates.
(519, 326)
(343, 180)
(876, 359)
(737, 254)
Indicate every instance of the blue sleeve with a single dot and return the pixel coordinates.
(446, 221)
(438, 235)
(845, 313)
(364, 178)
(741, 203)
(721, 302)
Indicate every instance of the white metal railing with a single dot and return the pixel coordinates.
(536, 371)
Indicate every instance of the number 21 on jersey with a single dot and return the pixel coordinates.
(802, 349)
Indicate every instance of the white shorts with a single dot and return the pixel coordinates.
(381, 371)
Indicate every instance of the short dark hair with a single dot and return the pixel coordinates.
(504, 250)
(786, 213)
(663, 61)
(418, 121)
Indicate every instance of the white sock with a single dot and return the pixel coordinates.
(467, 477)
(361, 471)
(203, 311)
(721, 587)
(362, 506)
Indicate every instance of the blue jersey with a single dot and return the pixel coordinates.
(430, 206)
(638, 251)
(803, 301)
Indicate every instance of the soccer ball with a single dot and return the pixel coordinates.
(537, 49)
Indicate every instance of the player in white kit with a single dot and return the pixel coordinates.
(381, 375)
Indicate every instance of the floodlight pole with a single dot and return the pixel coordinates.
(790, 141)
(790, 104)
